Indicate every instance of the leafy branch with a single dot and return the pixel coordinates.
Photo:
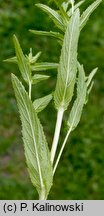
(41, 161)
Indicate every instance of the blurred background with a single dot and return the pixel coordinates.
(80, 174)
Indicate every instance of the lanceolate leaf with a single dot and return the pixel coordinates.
(23, 63)
(12, 60)
(35, 145)
(77, 108)
(38, 78)
(75, 7)
(33, 59)
(86, 14)
(44, 66)
(54, 15)
(50, 34)
(41, 103)
(68, 64)
(91, 75)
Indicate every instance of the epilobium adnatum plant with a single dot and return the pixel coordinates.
(41, 161)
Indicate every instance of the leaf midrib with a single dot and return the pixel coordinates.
(34, 141)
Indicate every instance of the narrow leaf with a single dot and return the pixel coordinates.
(50, 34)
(41, 103)
(33, 59)
(91, 75)
(38, 78)
(77, 108)
(68, 64)
(11, 60)
(86, 14)
(54, 15)
(44, 66)
(35, 145)
(75, 7)
(23, 64)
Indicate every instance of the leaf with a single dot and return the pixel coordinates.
(64, 16)
(35, 145)
(77, 108)
(44, 66)
(50, 34)
(33, 59)
(86, 14)
(68, 64)
(41, 103)
(38, 78)
(54, 15)
(91, 75)
(90, 83)
(11, 60)
(75, 7)
(23, 64)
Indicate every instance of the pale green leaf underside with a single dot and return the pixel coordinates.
(38, 78)
(91, 75)
(41, 103)
(35, 145)
(50, 34)
(75, 7)
(11, 60)
(86, 14)
(68, 64)
(42, 66)
(33, 59)
(77, 108)
(54, 15)
(22, 62)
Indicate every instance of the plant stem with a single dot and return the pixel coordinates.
(57, 133)
(30, 89)
(61, 150)
(42, 194)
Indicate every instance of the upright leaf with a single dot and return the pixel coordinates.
(86, 14)
(77, 108)
(54, 15)
(41, 103)
(68, 64)
(23, 64)
(33, 59)
(35, 145)
(91, 75)
(69, 12)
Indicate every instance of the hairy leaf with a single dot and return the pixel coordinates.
(91, 75)
(35, 145)
(44, 66)
(23, 64)
(12, 60)
(68, 64)
(41, 103)
(90, 83)
(38, 78)
(77, 108)
(54, 15)
(50, 34)
(33, 59)
(75, 7)
(86, 14)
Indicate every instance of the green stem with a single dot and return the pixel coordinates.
(57, 133)
(61, 150)
(30, 85)
(42, 195)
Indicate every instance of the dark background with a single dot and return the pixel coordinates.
(80, 174)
